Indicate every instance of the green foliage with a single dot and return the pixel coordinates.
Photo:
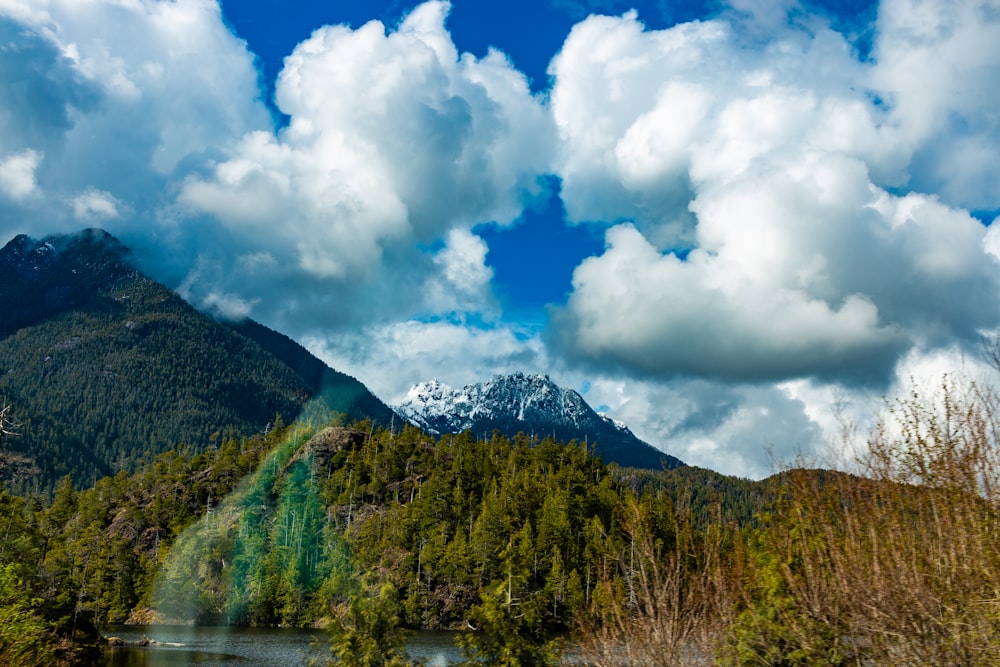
(519, 538)
(372, 531)
(98, 391)
(366, 630)
(25, 637)
(106, 368)
(104, 546)
(777, 629)
(512, 621)
(899, 566)
(26, 634)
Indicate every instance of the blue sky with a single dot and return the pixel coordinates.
(274, 28)
(732, 224)
(534, 260)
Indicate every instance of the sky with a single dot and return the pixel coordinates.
(740, 226)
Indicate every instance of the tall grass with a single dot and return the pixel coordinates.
(668, 600)
(897, 564)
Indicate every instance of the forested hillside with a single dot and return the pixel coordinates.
(216, 508)
(279, 530)
(529, 542)
(104, 367)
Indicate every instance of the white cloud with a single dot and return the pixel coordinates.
(149, 117)
(396, 146)
(391, 358)
(755, 430)
(120, 97)
(227, 306)
(17, 174)
(391, 136)
(28, 11)
(187, 81)
(659, 315)
(816, 203)
(463, 283)
(95, 206)
(745, 430)
(937, 64)
(772, 163)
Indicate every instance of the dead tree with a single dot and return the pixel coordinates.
(7, 424)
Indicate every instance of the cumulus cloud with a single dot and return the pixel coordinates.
(580, 9)
(785, 284)
(771, 234)
(17, 174)
(181, 78)
(787, 222)
(95, 206)
(391, 358)
(755, 430)
(40, 88)
(937, 64)
(393, 139)
(463, 281)
(145, 117)
(745, 430)
(112, 99)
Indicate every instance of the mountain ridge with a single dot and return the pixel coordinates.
(530, 404)
(105, 367)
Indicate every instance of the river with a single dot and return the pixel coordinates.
(181, 645)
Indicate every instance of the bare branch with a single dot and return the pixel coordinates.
(991, 350)
(8, 427)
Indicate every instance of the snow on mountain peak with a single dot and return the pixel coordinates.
(438, 408)
(618, 424)
(530, 404)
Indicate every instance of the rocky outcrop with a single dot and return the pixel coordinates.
(329, 442)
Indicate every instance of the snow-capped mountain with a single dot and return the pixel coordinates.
(530, 404)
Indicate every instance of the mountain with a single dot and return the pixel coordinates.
(105, 367)
(530, 404)
(339, 391)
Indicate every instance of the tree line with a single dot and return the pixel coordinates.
(531, 546)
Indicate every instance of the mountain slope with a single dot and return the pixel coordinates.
(338, 391)
(533, 405)
(105, 367)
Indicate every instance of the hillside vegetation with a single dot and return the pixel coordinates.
(106, 368)
(190, 498)
(531, 542)
(278, 530)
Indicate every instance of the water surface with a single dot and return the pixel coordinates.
(180, 646)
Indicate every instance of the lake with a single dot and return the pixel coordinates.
(182, 645)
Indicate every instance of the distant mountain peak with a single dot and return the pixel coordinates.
(106, 366)
(24, 246)
(530, 404)
(70, 253)
(61, 273)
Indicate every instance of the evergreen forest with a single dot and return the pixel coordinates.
(106, 368)
(537, 550)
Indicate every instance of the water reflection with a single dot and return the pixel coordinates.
(157, 657)
(176, 646)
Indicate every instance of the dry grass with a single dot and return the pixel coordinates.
(897, 566)
(666, 604)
